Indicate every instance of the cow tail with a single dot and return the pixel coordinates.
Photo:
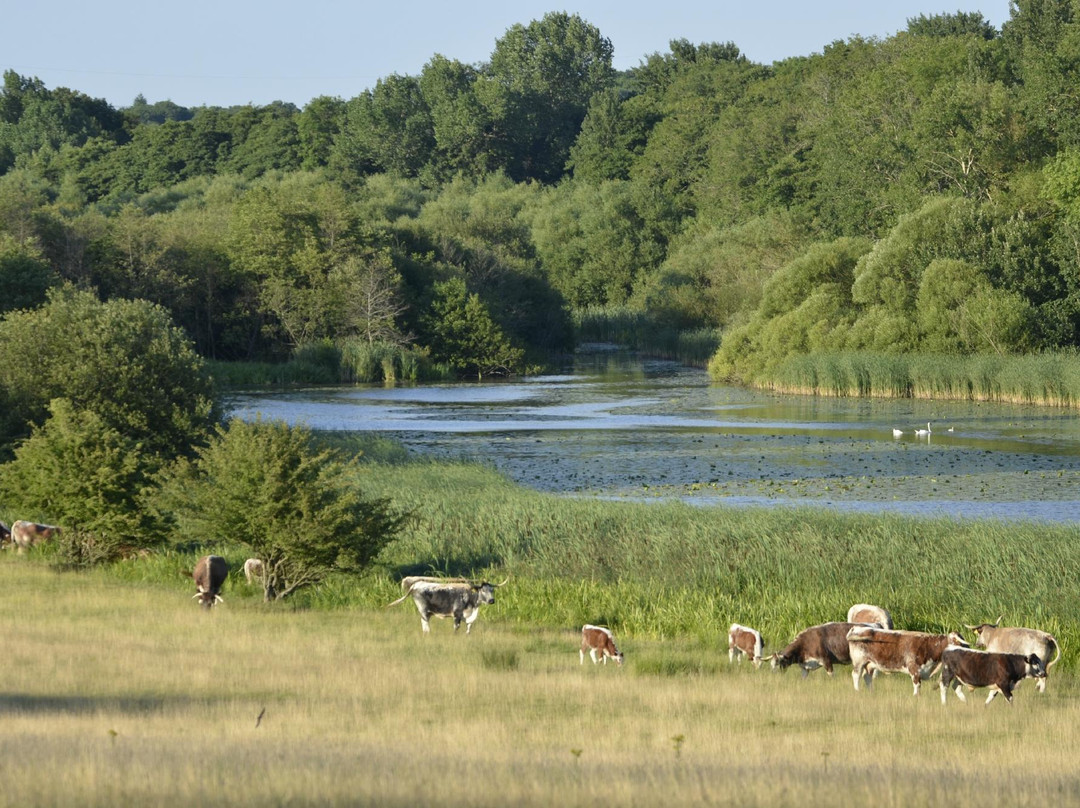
(1057, 656)
(402, 598)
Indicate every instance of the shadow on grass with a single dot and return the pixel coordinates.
(22, 704)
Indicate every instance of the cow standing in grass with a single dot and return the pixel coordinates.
(599, 640)
(1017, 640)
(460, 601)
(914, 652)
(30, 534)
(210, 574)
(868, 613)
(744, 641)
(968, 667)
(816, 647)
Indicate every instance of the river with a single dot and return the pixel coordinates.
(614, 425)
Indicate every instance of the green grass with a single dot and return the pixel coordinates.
(123, 692)
(1047, 379)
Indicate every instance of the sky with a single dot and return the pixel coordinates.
(226, 53)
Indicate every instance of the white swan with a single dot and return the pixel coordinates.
(896, 433)
(922, 433)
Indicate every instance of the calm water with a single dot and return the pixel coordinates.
(616, 426)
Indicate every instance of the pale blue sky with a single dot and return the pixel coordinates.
(222, 53)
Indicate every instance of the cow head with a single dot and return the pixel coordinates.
(981, 630)
(207, 599)
(955, 638)
(485, 593)
(778, 661)
(1036, 668)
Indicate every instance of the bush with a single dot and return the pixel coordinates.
(266, 486)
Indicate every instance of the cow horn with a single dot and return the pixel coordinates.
(218, 599)
(998, 621)
(504, 582)
(971, 628)
(199, 595)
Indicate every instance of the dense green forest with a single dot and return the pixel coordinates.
(915, 194)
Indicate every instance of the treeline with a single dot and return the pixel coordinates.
(919, 193)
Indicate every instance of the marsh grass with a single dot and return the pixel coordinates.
(125, 693)
(1051, 379)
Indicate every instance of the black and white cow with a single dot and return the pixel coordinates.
(460, 601)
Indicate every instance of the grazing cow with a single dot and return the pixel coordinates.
(816, 647)
(876, 649)
(967, 667)
(597, 639)
(743, 641)
(29, 534)
(210, 574)
(5, 536)
(1015, 640)
(460, 601)
(865, 613)
(409, 580)
(253, 569)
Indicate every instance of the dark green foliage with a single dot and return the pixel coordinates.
(122, 360)
(266, 487)
(77, 471)
(465, 336)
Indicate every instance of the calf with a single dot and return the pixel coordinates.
(743, 641)
(460, 601)
(253, 569)
(599, 640)
(1016, 640)
(815, 647)
(25, 535)
(967, 667)
(210, 574)
(865, 613)
(876, 649)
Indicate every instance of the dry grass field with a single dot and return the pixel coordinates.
(129, 694)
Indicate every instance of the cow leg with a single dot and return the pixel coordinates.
(1040, 685)
(581, 654)
(592, 655)
(993, 693)
(916, 681)
(425, 624)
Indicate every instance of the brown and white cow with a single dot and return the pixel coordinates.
(916, 652)
(25, 535)
(599, 640)
(968, 667)
(210, 574)
(816, 647)
(253, 570)
(1017, 640)
(867, 613)
(744, 641)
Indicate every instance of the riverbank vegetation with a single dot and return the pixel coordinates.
(909, 195)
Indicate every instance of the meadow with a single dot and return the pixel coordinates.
(126, 693)
(120, 690)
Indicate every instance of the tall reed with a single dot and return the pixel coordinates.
(1049, 379)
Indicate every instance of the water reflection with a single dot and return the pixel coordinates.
(612, 425)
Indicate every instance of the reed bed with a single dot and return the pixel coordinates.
(662, 570)
(126, 693)
(639, 331)
(1051, 379)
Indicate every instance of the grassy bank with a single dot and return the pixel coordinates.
(126, 693)
(1051, 379)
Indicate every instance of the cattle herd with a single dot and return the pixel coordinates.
(866, 640)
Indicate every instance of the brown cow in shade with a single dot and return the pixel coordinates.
(210, 574)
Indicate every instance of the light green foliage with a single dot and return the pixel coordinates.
(591, 242)
(123, 360)
(92, 480)
(266, 487)
(24, 276)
